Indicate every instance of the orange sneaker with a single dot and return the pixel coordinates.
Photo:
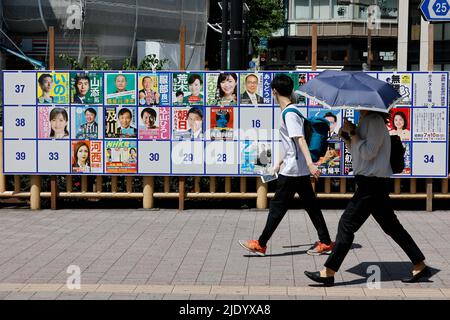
(253, 246)
(320, 248)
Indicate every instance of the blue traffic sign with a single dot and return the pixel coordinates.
(435, 10)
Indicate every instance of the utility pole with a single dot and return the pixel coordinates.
(224, 52)
(236, 36)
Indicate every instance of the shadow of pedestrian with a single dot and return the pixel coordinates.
(354, 246)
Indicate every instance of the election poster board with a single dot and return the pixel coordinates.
(214, 123)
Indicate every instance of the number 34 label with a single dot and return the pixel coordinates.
(429, 159)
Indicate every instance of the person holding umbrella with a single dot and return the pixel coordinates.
(370, 145)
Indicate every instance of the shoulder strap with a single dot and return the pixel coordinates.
(291, 109)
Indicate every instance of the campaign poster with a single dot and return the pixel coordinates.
(407, 169)
(120, 88)
(348, 168)
(330, 163)
(351, 115)
(222, 89)
(251, 89)
(256, 157)
(53, 122)
(188, 123)
(222, 120)
(153, 89)
(87, 122)
(402, 83)
(121, 156)
(87, 156)
(53, 88)
(154, 123)
(333, 117)
(430, 124)
(301, 80)
(430, 89)
(120, 122)
(400, 123)
(86, 88)
(187, 89)
(312, 102)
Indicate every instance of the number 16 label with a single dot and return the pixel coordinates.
(429, 159)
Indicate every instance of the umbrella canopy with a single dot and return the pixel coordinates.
(357, 90)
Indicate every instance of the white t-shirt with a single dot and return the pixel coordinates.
(294, 162)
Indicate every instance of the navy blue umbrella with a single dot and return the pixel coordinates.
(357, 90)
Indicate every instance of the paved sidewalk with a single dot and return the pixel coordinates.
(165, 254)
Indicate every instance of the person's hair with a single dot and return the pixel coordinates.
(222, 77)
(401, 114)
(133, 149)
(91, 110)
(283, 84)
(77, 147)
(196, 111)
(179, 93)
(251, 75)
(149, 111)
(146, 77)
(79, 77)
(53, 114)
(123, 111)
(43, 76)
(194, 77)
(330, 114)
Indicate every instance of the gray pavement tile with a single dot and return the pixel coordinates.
(97, 296)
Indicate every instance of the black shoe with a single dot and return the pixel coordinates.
(426, 272)
(315, 276)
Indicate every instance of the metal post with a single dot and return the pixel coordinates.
(224, 51)
(236, 37)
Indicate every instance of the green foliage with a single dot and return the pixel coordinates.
(74, 64)
(127, 65)
(150, 62)
(98, 63)
(265, 17)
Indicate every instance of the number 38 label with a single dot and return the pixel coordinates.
(429, 159)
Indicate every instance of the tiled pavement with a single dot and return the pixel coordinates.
(167, 254)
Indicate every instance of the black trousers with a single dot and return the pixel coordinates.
(371, 197)
(284, 194)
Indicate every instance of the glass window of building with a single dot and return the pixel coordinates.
(321, 9)
(388, 8)
(447, 31)
(341, 11)
(302, 9)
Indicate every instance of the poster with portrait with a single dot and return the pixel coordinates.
(330, 163)
(86, 87)
(87, 122)
(430, 124)
(256, 157)
(153, 89)
(430, 89)
(53, 123)
(221, 123)
(121, 156)
(251, 89)
(52, 88)
(154, 123)
(400, 123)
(188, 123)
(120, 88)
(87, 156)
(222, 89)
(401, 82)
(312, 102)
(187, 89)
(120, 122)
(333, 117)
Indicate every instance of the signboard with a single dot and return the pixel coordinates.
(435, 10)
(194, 123)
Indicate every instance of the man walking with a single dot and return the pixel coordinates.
(370, 146)
(296, 166)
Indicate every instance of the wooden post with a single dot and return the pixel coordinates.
(444, 188)
(84, 183)
(98, 184)
(212, 184)
(149, 188)
(181, 192)
(243, 186)
(429, 183)
(35, 191)
(16, 184)
(166, 184)
(413, 186)
(69, 184)
(227, 184)
(183, 47)
(197, 184)
(129, 183)
(343, 185)
(113, 184)
(397, 185)
(327, 185)
(314, 47)
(261, 194)
(53, 181)
(2, 176)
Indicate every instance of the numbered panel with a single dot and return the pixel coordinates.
(430, 89)
(255, 123)
(54, 156)
(429, 159)
(19, 122)
(187, 157)
(430, 124)
(222, 157)
(19, 156)
(154, 157)
(19, 88)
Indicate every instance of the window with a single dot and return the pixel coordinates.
(301, 9)
(301, 55)
(388, 8)
(447, 31)
(321, 9)
(340, 11)
(339, 55)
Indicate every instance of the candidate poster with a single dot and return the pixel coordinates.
(52, 88)
(120, 122)
(53, 122)
(87, 156)
(332, 116)
(88, 122)
(222, 89)
(402, 83)
(252, 89)
(120, 156)
(400, 123)
(188, 123)
(256, 157)
(222, 123)
(120, 88)
(154, 123)
(86, 88)
(330, 163)
(153, 89)
(188, 89)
